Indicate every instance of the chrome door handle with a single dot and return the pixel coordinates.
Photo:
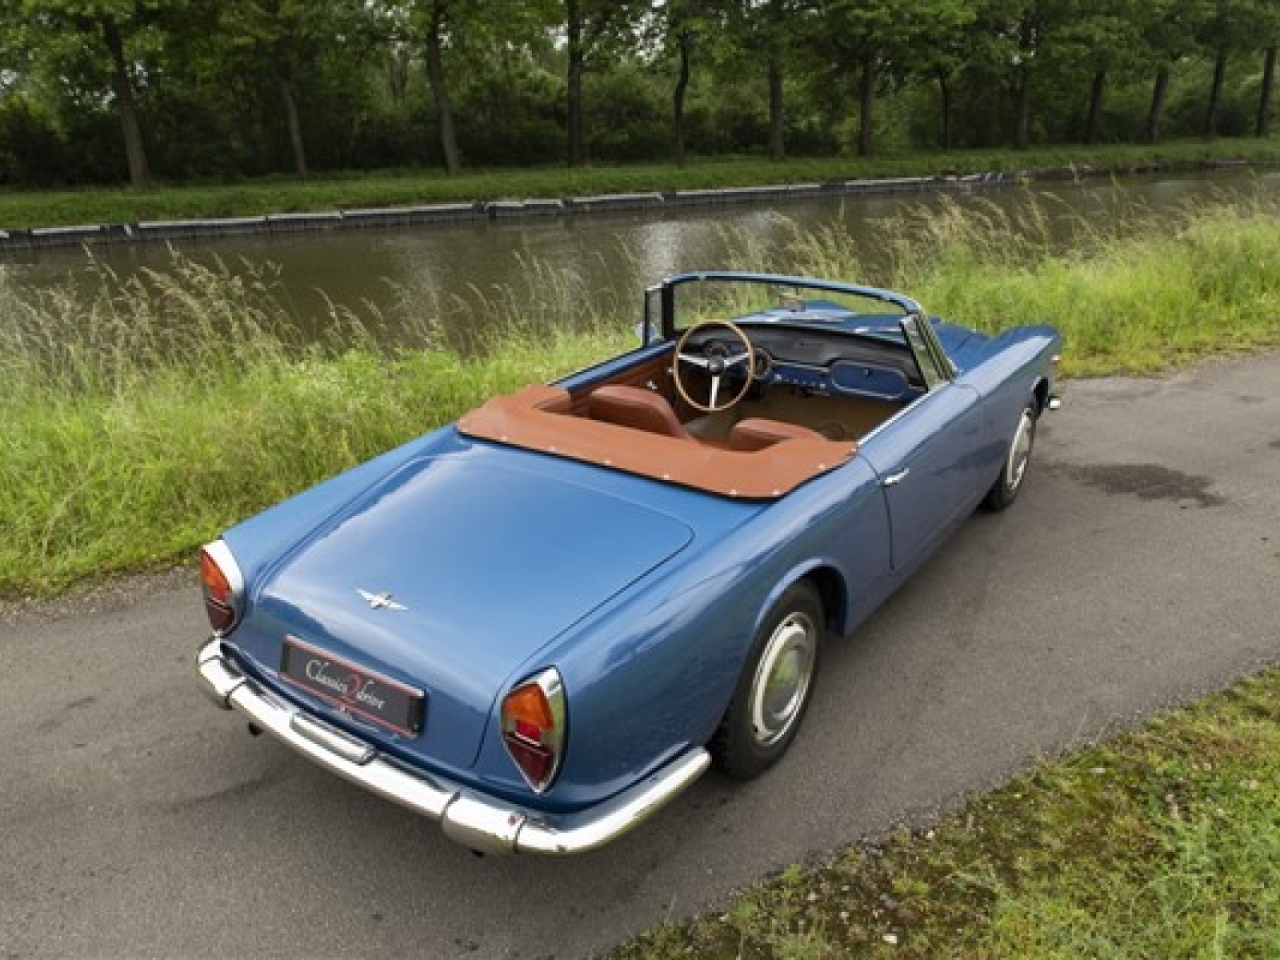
(893, 479)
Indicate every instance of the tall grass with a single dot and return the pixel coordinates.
(144, 418)
(176, 403)
(1148, 292)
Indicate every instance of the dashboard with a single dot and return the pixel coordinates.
(833, 362)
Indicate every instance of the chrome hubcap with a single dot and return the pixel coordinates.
(782, 679)
(1020, 451)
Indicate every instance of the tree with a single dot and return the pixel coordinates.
(942, 44)
(1262, 123)
(682, 24)
(1024, 47)
(591, 28)
(287, 38)
(1269, 22)
(1232, 26)
(469, 30)
(858, 31)
(1102, 36)
(435, 15)
(771, 30)
(1168, 28)
(870, 35)
(112, 26)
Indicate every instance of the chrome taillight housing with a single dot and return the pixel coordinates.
(223, 587)
(534, 728)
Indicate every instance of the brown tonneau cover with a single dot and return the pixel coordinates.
(538, 418)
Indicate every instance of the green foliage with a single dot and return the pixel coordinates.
(29, 141)
(213, 81)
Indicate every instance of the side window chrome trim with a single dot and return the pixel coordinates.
(935, 366)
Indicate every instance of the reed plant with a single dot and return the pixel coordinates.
(144, 415)
(1149, 292)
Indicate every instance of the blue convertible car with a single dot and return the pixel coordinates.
(541, 623)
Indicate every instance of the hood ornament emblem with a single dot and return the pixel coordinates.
(380, 601)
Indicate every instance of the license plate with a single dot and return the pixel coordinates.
(356, 690)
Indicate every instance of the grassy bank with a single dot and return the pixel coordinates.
(1163, 843)
(59, 208)
(173, 406)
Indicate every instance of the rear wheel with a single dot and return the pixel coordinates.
(1005, 490)
(775, 688)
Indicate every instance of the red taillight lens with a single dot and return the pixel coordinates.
(533, 728)
(223, 586)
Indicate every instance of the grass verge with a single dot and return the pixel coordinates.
(174, 405)
(23, 210)
(1164, 842)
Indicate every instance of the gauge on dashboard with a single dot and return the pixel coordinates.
(763, 363)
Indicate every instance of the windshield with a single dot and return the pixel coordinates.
(753, 299)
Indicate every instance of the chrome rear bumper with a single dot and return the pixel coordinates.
(471, 819)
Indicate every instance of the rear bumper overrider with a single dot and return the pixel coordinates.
(481, 823)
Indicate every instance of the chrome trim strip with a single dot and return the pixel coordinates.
(474, 820)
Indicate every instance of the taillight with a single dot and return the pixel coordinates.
(533, 728)
(223, 586)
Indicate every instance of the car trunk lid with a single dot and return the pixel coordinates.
(450, 575)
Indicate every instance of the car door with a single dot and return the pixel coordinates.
(928, 469)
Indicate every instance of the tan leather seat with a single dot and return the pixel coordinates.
(637, 408)
(756, 433)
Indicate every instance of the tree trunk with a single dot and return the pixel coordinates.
(439, 93)
(1027, 34)
(677, 99)
(284, 81)
(1262, 127)
(1097, 94)
(1158, 94)
(944, 99)
(398, 74)
(1022, 110)
(777, 117)
(576, 147)
(866, 99)
(122, 84)
(1215, 92)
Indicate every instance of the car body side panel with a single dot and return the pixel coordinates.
(1007, 373)
(925, 457)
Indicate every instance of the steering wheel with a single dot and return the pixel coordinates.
(716, 361)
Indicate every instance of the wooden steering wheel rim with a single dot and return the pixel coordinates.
(746, 380)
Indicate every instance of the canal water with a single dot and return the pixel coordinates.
(457, 279)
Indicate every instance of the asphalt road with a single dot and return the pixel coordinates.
(1139, 568)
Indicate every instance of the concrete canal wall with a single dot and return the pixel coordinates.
(497, 210)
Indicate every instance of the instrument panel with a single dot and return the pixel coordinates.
(818, 361)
